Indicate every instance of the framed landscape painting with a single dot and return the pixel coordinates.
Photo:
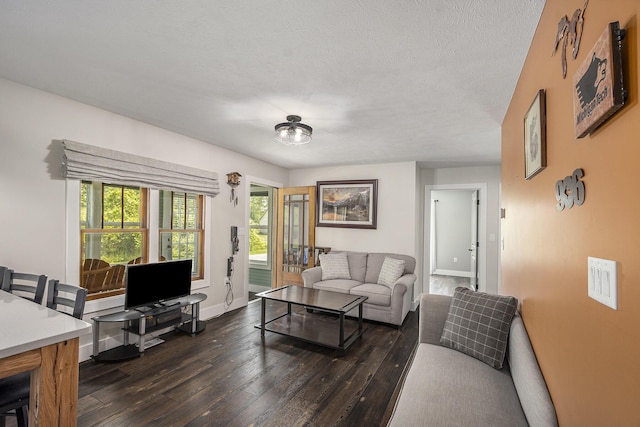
(348, 204)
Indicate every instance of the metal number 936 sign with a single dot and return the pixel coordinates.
(570, 190)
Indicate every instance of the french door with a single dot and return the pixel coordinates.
(295, 234)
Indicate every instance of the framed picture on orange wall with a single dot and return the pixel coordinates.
(535, 136)
(598, 89)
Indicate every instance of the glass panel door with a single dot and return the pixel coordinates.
(296, 234)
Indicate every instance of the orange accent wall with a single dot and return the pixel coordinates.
(588, 353)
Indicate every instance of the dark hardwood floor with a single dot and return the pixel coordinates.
(226, 376)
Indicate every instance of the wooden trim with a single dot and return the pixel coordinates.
(105, 294)
(26, 361)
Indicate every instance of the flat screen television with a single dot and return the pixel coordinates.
(154, 283)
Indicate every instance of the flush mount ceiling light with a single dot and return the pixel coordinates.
(293, 132)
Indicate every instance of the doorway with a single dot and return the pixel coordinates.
(455, 221)
(261, 242)
(276, 230)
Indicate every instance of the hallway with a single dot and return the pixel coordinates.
(445, 285)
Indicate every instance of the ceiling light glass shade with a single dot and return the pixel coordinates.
(293, 132)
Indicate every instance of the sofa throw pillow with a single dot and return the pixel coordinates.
(478, 325)
(390, 271)
(334, 266)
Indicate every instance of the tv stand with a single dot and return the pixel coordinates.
(145, 321)
(171, 303)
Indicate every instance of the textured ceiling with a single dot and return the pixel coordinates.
(379, 81)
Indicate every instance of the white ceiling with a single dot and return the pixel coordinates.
(379, 81)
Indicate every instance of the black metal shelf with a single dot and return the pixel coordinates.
(142, 322)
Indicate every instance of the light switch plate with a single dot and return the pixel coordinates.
(603, 281)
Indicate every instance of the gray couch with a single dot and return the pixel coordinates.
(445, 387)
(384, 303)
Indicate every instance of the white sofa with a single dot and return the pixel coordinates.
(388, 304)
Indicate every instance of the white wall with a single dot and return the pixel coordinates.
(398, 215)
(401, 214)
(34, 213)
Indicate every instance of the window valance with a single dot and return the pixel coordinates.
(87, 162)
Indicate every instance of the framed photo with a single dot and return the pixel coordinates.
(535, 136)
(347, 204)
(598, 90)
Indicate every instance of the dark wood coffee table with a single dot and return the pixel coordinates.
(307, 321)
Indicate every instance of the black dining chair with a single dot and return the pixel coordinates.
(14, 390)
(25, 285)
(14, 396)
(64, 295)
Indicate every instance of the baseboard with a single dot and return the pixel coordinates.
(258, 288)
(220, 309)
(455, 273)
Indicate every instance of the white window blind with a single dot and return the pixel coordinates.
(87, 162)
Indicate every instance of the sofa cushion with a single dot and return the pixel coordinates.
(337, 285)
(478, 325)
(447, 388)
(378, 294)
(391, 271)
(357, 265)
(334, 266)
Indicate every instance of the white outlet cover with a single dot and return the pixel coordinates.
(603, 281)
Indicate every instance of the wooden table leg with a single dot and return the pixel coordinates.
(54, 386)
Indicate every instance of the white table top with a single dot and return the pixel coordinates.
(25, 325)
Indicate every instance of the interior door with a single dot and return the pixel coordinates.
(295, 235)
(473, 247)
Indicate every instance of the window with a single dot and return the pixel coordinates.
(181, 229)
(113, 232)
(260, 219)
